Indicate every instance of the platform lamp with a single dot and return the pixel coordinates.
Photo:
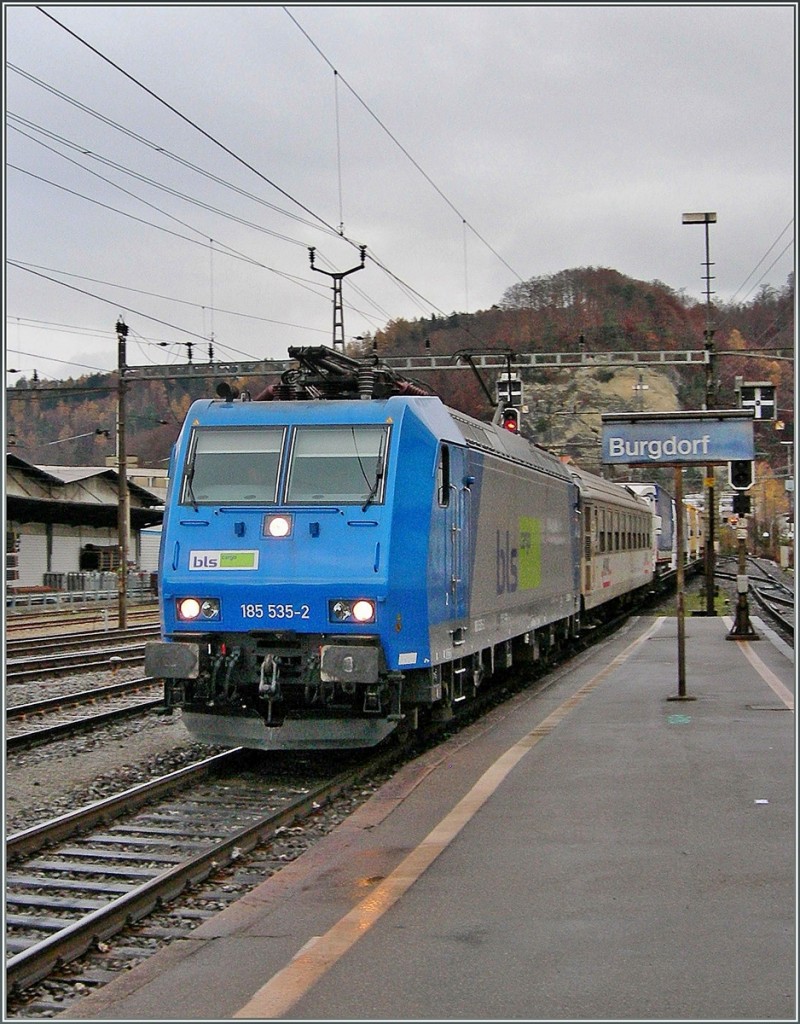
(705, 219)
(123, 508)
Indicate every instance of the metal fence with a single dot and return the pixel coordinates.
(68, 588)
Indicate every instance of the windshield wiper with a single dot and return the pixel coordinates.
(379, 471)
(189, 491)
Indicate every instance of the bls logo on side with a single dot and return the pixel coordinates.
(223, 560)
(507, 567)
(203, 561)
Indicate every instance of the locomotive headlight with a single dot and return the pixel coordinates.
(278, 526)
(364, 611)
(191, 608)
(360, 610)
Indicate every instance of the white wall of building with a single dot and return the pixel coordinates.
(32, 563)
(149, 543)
(66, 549)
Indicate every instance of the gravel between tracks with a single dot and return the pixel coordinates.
(45, 781)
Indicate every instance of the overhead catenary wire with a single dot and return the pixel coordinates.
(145, 179)
(103, 298)
(338, 149)
(165, 152)
(193, 124)
(402, 148)
(328, 227)
(207, 135)
(254, 170)
(726, 319)
(87, 151)
(84, 150)
(228, 250)
(262, 176)
(156, 295)
(766, 254)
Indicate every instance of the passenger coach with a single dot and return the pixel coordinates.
(618, 548)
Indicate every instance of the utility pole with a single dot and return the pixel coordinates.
(708, 335)
(123, 507)
(338, 307)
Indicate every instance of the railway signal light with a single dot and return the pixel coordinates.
(511, 419)
(740, 474)
(741, 504)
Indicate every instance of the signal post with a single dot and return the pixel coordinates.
(740, 477)
(509, 400)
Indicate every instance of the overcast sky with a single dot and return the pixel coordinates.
(174, 163)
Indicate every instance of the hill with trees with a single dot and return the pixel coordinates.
(590, 309)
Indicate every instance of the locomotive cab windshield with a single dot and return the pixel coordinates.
(233, 464)
(342, 465)
(336, 464)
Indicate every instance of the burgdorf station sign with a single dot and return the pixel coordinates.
(678, 438)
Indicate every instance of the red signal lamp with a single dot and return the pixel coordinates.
(511, 420)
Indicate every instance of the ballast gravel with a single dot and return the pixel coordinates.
(54, 778)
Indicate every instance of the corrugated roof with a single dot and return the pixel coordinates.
(69, 474)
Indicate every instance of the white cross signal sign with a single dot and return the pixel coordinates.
(760, 398)
(509, 391)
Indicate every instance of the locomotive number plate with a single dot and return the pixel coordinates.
(275, 611)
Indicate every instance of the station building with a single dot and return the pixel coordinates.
(62, 530)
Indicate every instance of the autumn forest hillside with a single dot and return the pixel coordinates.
(595, 310)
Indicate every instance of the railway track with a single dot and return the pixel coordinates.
(64, 620)
(17, 648)
(83, 877)
(778, 607)
(52, 718)
(770, 592)
(19, 670)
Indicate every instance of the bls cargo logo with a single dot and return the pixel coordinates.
(223, 559)
(519, 559)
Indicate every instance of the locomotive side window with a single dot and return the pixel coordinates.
(443, 477)
(229, 465)
(342, 464)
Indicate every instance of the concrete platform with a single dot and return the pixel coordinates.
(597, 851)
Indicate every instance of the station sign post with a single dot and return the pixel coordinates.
(678, 439)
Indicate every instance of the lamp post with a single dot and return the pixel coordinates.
(123, 508)
(708, 334)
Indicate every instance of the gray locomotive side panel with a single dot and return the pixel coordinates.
(523, 548)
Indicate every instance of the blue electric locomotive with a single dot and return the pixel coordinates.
(333, 568)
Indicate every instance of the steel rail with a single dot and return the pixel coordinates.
(65, 642)
(41, 959)
(69, 700)
(52, 732)
(21, 669)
